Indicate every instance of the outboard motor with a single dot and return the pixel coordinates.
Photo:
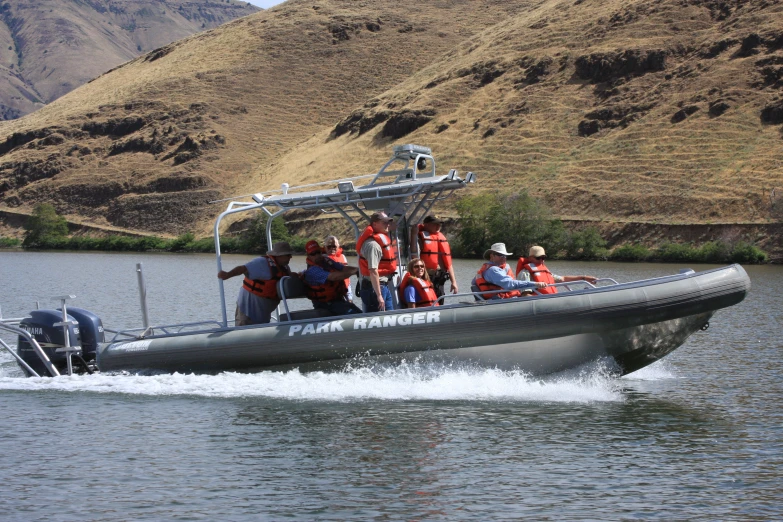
(40, 325)
(90, 331)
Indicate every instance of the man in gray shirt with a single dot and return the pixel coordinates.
(377, 263)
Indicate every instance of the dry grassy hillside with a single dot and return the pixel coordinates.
(146, 145)
(663, 111)
(49, 47)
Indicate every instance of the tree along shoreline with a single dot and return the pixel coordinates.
(517, 220)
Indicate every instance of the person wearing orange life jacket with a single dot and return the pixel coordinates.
(415, 290)
(497, 275)
(325, 281)
(333, 251)
(429, 244)
(258, 297)
(532, 268)
(377, 263)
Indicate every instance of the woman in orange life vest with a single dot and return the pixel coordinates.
(325, 280)
(258, 297)
(497, 275)
(532, 268)
(415, 290)
(429, 244)
(333, 251)
(377, 263)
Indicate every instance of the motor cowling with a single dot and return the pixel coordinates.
(86, 334)
(91, 332)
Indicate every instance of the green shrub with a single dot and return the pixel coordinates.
(749, 254)
(713, 252)
(180, 243)
(146, 244)
(675, 252)
(203, 245)
(586, 244)
(518, 220)
(634, 252)
(254, 238)
(44, 224)
(298, 243)
(231, 245)
(8, 242)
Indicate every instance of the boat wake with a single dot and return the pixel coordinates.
(404, 382)
(657, 371)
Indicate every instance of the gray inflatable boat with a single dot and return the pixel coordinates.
(633, 324)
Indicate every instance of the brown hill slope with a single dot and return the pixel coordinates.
(49, 47)
(663, 112)
(659, 112)
(146, 145)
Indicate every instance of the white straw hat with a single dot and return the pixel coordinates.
(498, 248)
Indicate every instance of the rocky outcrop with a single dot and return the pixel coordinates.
(20, 173)
(342, 29)
(398, 123)
(483, 73)
(405, 122)
(611, 117)
(772, 114)
(143, 211)
(359, 122)
(606, 67)
(683, 113)
(115, 127)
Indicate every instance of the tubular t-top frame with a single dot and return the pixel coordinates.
(406, 193)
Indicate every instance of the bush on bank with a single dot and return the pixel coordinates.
(9, 242)
(48, 231)
(715, 252)
(520, 221)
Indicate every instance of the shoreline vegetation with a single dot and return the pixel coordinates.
(518, 220)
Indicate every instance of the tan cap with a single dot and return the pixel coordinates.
(536, 251)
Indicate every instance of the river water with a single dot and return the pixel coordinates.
(697, 436)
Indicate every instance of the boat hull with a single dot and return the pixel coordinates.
(634, 324)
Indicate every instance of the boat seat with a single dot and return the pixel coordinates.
(294, 288)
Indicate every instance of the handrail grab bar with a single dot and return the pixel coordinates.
(534, 290)
(37, 347)
(19, 359)
(128, 332)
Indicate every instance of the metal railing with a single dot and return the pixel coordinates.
(479, 295)
(4, 325)
(166, 329)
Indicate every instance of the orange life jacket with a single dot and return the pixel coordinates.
(486, 286)
(538, 273)
(330, 290)
(339, 257)
(432, 247)
(267, 287)
(424, 291)
(388, 264)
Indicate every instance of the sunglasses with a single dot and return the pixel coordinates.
(418, 266)
(331, 246)
(540, 258)
(313, 254)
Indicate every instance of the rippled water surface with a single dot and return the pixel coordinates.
(696, 436)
